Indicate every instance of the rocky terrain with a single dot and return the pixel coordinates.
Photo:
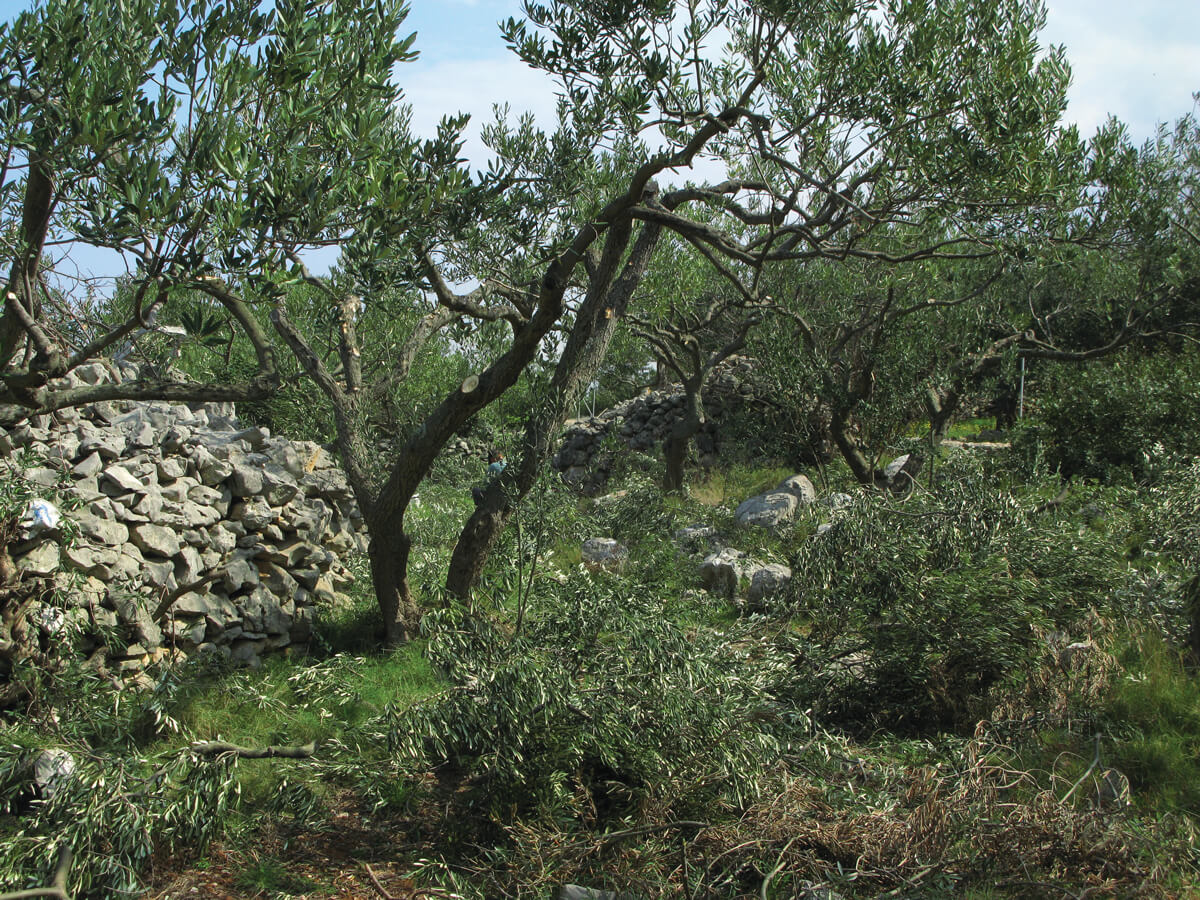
(178, 532)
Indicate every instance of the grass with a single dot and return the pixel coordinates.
(732, 486)
(269, 877)
(288, 703)
(1154, 712)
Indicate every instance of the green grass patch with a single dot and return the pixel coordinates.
(269, 877)
(288, 703)
(733, 485)
(1154, 712)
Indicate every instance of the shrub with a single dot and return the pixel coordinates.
(1103, 421)
(915, 610)
(597, 704)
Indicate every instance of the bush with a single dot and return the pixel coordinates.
(1104, 421)
(916, 610)
(597, 705)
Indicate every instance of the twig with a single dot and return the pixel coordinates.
(780, 862)
(613, 836)
(1090, 769)
(221, 748)
(379, 887)
(57, 888)
(1051, 504)
(1041, 884)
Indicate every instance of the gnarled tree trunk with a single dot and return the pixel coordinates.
(595, 325)
(679, 438)
(388, 552)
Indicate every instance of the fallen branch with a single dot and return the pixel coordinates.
(1051, 504)
(168, 600)
(57, 888)
(222, 748)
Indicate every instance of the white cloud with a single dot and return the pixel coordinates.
(475, 86)
(1137, 61)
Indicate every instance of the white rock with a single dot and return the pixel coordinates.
(768, 510)
(800, 487)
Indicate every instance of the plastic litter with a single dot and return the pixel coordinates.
(40, 516)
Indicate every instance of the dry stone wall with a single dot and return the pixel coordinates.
(644, 421)
(181, 532)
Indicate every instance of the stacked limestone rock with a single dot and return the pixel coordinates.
(725, 570)
(182, 532)
(644, 421)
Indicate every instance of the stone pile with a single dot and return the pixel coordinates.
(180, 532)
(644, 421)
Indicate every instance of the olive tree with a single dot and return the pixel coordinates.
(875, 131)
(218, 142)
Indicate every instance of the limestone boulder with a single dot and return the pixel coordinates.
(767, 582)
(800, 487)
(770, 510)
(604, 554)
(721, 572)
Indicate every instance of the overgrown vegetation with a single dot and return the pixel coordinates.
(980, 680)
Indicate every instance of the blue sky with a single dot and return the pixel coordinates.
(1139, 61)
(1136, 59)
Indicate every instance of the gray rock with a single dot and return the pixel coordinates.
(150, 504)
(109, 445)
(254, 513)
(41, 476)
(189, 566)
(766, 582)
(95, 561)
(141, 625)
(64, 448)
(156, 539)
(279, 487)
(247, 477)
(720, 572)
(53, 769)
(837, 501)
(160, 575)
(293, 554)
(209, 496)
(171, 468)
(239, 573)
(99, 529)
(277, 580)
(694, 537)
(42, 560)
(212, 471)
(604, 554)
(768, 510)
(122, 478)
(88, 466)
(93, 373)
(907, 465)
(129, 564)
(800, 487)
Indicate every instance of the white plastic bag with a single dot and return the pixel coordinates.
(40, 517)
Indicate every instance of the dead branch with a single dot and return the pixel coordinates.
(224, 748)
(57, 888)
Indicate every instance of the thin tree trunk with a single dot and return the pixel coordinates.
(595, 324)
(679, 438)
(852, 453)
